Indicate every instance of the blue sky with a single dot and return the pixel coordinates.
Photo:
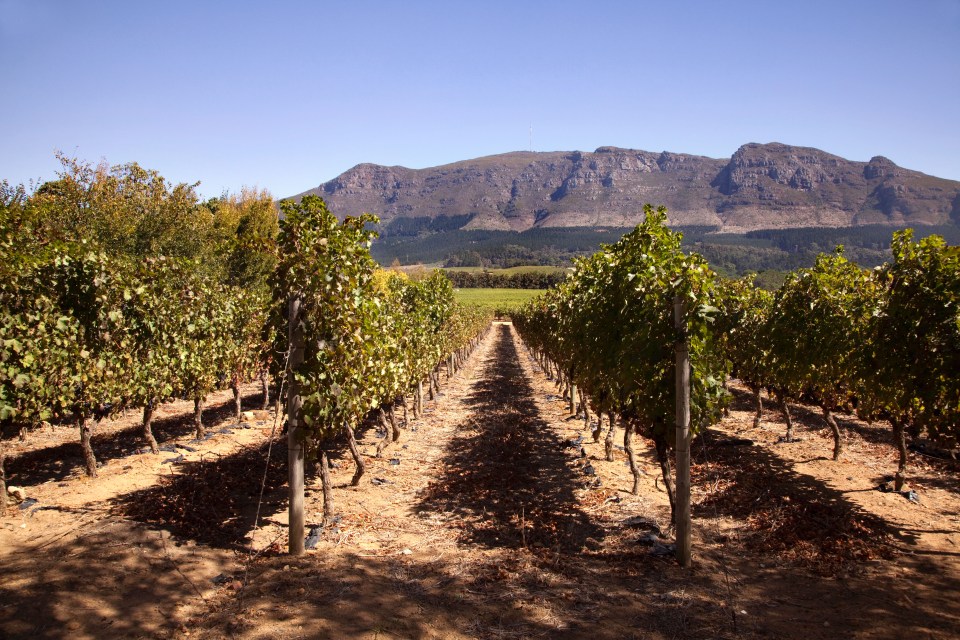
(286, 95)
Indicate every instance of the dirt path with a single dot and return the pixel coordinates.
(497, 516)
(489, 527)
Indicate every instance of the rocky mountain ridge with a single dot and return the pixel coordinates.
(762, 186)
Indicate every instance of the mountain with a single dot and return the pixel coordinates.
(762, 186)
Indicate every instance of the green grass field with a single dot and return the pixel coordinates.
(503, 299)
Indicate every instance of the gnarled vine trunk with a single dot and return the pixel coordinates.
(392, 414)
(835, 428)
(198, 417)
(355, 452)
(86, 433)
(726, 390)
(597, 430)
(608, 444)
(663, 456)
(235, 388)
(265, 388)
(900, 439)
(631, 457)
(387, 436)
(785, 408)
(148, 427)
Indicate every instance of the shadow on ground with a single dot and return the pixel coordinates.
(97, 588)
(350, 596)
(789, 514)
(791, 518)
(935, 471)
(213, 501)
(506, 474)
(63, 460)
(809, 418)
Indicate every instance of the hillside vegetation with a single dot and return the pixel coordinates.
(731, 254)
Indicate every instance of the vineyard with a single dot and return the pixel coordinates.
(273, 436)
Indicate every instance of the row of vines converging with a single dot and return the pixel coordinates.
(369, 337)
(884, 343)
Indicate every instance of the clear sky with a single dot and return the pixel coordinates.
(286, 95)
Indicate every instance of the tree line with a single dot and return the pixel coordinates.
(492, 280)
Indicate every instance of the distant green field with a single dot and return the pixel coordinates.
(503, 299)
(510, 271)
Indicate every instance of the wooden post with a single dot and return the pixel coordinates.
(683, 433)
(573, 398)
(295, 443)
(3, 481)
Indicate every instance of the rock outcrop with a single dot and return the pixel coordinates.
(760, 186)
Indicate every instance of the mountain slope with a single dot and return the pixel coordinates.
(761, 186)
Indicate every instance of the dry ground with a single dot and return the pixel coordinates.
(487, 520)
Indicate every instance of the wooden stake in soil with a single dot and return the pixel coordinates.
(3, 481)
(295, 446)
(325, 482)
(683, 433)
(899, 436)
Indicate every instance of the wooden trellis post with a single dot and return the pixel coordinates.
(295, 443)
(683, 433)
(573, 397)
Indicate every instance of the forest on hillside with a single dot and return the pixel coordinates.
(732, 255)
